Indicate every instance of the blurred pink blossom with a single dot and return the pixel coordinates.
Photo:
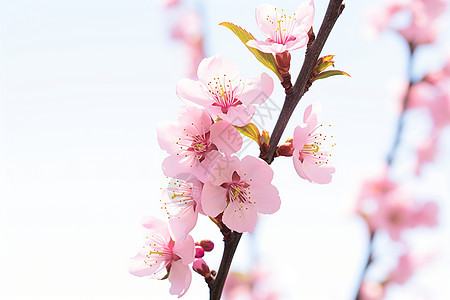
(254, 285)
(311, 149)
(404, 269)
(241, 190)
(398, 211)
(371, 291)
(426, 152)
(189, 31)
(170, 3)
(222, 93)
(161, 255)
(283, 32)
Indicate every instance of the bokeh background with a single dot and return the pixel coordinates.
(84, 83)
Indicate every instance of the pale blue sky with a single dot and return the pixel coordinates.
(83, 84)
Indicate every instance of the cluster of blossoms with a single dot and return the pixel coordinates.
(207, 175)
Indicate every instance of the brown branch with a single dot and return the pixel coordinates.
(334, 10)
(293, 96)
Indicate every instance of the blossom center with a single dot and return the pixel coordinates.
(180, 198)
(316, 147)
(284, 27)
(223, 93)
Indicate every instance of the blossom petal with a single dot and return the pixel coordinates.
(298, 43)
(266, 19)
(305, 17)
(266, 200)
(180, 225)
(300, 136)
(168, 134)
(257, 90)
(193, 120)
(227, 139)
(173, 165)
(312, 114)
(216, 67)
(185, 250)
(152, 225)
(318, 173)
(238, 115)
(180, 277)
(267, 47)
(298, 165)
(255, 171)
(213, 199)
(193, 91)
(240, 217)
(138, 267)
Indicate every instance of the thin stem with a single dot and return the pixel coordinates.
(232, 238)
(334, 10)
(231, 244)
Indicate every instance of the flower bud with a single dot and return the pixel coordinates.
(207, 245)
(285, 149)
(199, 252)
(201, 267)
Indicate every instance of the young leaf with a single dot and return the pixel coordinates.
(328, 74)
(266, 59)
(250, 130)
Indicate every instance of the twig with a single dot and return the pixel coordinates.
(231, 240)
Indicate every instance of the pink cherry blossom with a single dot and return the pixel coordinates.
(378, 185)
(222, 93)
(284, 32)
(311, 149)
(182, 204)
(189, 31)
(427, 214)
(241, 190)
(404, 269)
(426, 152)
(194, 142)
(398, 211)
(371, 291)
(161, 255)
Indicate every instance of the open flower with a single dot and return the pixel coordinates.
(181, 200)
(161, 255)
(283, 32)
(311, 149)
(194, 142)
(222, 93)
(241, 190)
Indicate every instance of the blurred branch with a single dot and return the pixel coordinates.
(231, 238)
(391, 156)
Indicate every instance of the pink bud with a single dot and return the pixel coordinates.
(201, 267)
(199, 252)
(207, 245)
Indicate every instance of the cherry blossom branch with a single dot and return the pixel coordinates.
(293, 96)
(390, 158)
(334, 10)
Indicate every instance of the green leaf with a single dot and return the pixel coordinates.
(250, 130)
(266, 59)
(325, 65)
(330, 73)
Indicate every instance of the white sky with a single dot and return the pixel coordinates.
(83, 84)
